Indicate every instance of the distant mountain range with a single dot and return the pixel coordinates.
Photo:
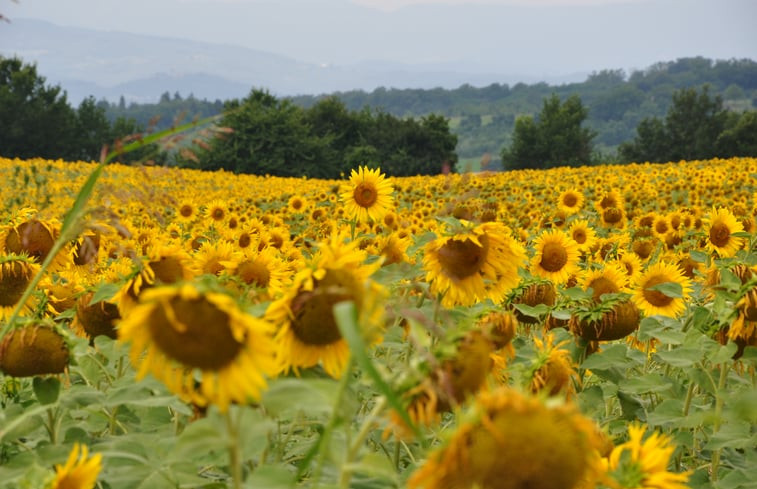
(109, 65)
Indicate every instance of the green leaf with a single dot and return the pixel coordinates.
(669, 289)
(725, 353)
(630, 405)
(286, 397)
(104, 292)
(732, 435)
(651, 382)
(531, 311)
(741, 234)
(698, 256)
(577, 294)
(46, 390)
(562, 314)
(270, 477)
(612, 356)
(681, 357)
(662, 328)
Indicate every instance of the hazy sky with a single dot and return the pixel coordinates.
(535, 37)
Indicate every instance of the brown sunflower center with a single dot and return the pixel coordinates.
(607, 202)
(244, 240)
(365, 194)
(186, 210)
(297, 204)
(602, 285)
(720, 234)
(85, 252)
(217, 214)
(612, 215)
(168, 269)
(314, 322)
(14, 277)
(254, 272)
(661, 227)
(97, 319)
(579, 236)
(461, 259)
(554, 256)
(655, 297)
(197, 334)
(31, 237)
(570, 200)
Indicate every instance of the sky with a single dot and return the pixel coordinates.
(530, 37)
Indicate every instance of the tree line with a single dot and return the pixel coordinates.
(325, 138)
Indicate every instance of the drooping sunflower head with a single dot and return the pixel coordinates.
(553, 371)
(79, 472)
(16, 273)
(307, 330)
(367, 197)
(182, 333)
(720, 226)
(36, 348)
(510, 442)
(652, 297)
(556, 256)
(473, 264)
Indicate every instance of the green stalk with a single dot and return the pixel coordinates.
(357, 444)
(719, 401)
(235, 460)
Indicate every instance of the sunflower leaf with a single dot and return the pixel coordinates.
(46, 390)
(669, 289)
(104, 292)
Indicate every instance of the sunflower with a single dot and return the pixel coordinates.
(556, 256)
(16, 273)
(80, 471)
(307, 330)
(297, 205)
(631, 264)
(553, 371)
(510, 441)
(214, 257)
(368, 197)
(200, 344)
(186, 211)
(263, 270)
(36, 348)
(473, 264)
(652, 301)
(570, 201)
(216, 211)
(610, 279)
(644, 464)
(719, 226)
(745, 324)
(583, 234)
(34, 238)
(609, 199)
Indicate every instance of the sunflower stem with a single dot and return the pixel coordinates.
(719, 401)
(357, 444)
(325, 439)
(235, 460)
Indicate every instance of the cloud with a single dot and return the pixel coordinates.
(398, 4)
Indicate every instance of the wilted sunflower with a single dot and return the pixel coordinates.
(719, 226)
(80, 471)
(553, 371)
(510, 441)
(200, 344)
(34, 238)
(307, 330)
(556, 256)
(36, 348)
(368, 196)
(473, 264)
(653, 302)
(745, 324)
(16, 273)
(570, 201)
(643, 464)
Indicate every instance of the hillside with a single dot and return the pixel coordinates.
(483, 118)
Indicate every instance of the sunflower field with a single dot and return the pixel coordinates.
(566, 328)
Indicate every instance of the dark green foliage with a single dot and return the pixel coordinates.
(37, 120)
(274, 136)
(557, 138)
(697, 126)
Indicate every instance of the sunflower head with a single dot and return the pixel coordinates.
(79, 472)
(556, 256)
(720, 227)
(570, 201)
(367, 197)
(671, 301)
(33, 349)
(510, 441)
(16, 273)
(183, 332)
(33, 238)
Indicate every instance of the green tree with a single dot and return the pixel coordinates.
(270, 136)
(36, 119)
(689, 131)
(740, 139)
(92, 131)
(556, 138)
